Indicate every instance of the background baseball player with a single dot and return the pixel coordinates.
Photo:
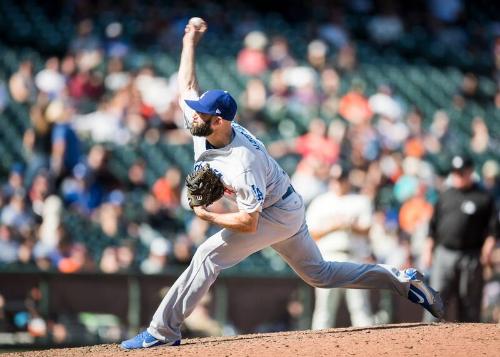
(270, 213)
(339, 220)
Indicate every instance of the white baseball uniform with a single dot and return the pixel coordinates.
(341, 245)
(256, 182)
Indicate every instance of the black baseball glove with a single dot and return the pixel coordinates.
(203, 187)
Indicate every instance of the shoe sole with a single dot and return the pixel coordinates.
(175, 343)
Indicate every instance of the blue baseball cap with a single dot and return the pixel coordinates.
(215, 102)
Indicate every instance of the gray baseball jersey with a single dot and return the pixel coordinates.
(251, 177)
(257, 183)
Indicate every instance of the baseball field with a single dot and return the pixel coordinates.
(443, 339)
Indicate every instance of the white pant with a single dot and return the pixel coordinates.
(327, 304)
(327, 301)
(283, 227)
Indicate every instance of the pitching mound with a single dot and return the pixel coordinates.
(445, 339)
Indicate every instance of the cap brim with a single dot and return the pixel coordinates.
(197, 106)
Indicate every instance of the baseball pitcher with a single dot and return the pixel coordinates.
(230, 161)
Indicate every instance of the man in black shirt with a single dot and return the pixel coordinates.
(461, 240)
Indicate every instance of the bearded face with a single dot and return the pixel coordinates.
(201, 127)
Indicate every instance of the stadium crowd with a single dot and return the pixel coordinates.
(86, 102)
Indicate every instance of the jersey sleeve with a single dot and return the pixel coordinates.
(187, 112)
(250, 189)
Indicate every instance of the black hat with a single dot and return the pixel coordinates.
(461, 162)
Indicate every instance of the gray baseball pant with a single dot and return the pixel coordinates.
(281, 226)
(458, 274)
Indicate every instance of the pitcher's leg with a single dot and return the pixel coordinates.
(223, 250)
(303, 255)
(188, 289)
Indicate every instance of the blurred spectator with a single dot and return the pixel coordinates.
(317, 52)
(309, 180)
(386, 27)
(200, 323)
(414, 217)
(16, 214)
(15, 184)
(91, 181)
(25, 252)
(253, 102)
(103, 125)
(65, 143)
(110, 221)
(137, 177)
(278, 53)
(109, 260)
(354, 106)
(392, 133)
(364, 144)
(117, 78)
(317, 144)
(480, 142)
(414, 145)
(125, 254)
(37, 141)
(157, 217)
(49, 232)
(86, 85)
(159, 251)
(447, 11)
(252, 60)
(469, 90)
(98, 169)
(339, 220)
(85, 40)
(8, 245)
(21, 84)
(167, 189)
(441, 137)
(116, 46)
(491, 179)
(334, 31)
(330, 87)
(384, 103)
(50, 80)
(183, 249)
(346, 59)
(39, 191)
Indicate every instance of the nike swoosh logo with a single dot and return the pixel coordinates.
(421, 300)
(149, 344)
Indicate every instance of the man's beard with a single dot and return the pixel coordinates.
(201, 129)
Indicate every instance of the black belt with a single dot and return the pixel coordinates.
(288, 192)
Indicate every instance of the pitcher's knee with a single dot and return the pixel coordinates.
(316, 277)
(204, 251)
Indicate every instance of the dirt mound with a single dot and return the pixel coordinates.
(446, 339)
